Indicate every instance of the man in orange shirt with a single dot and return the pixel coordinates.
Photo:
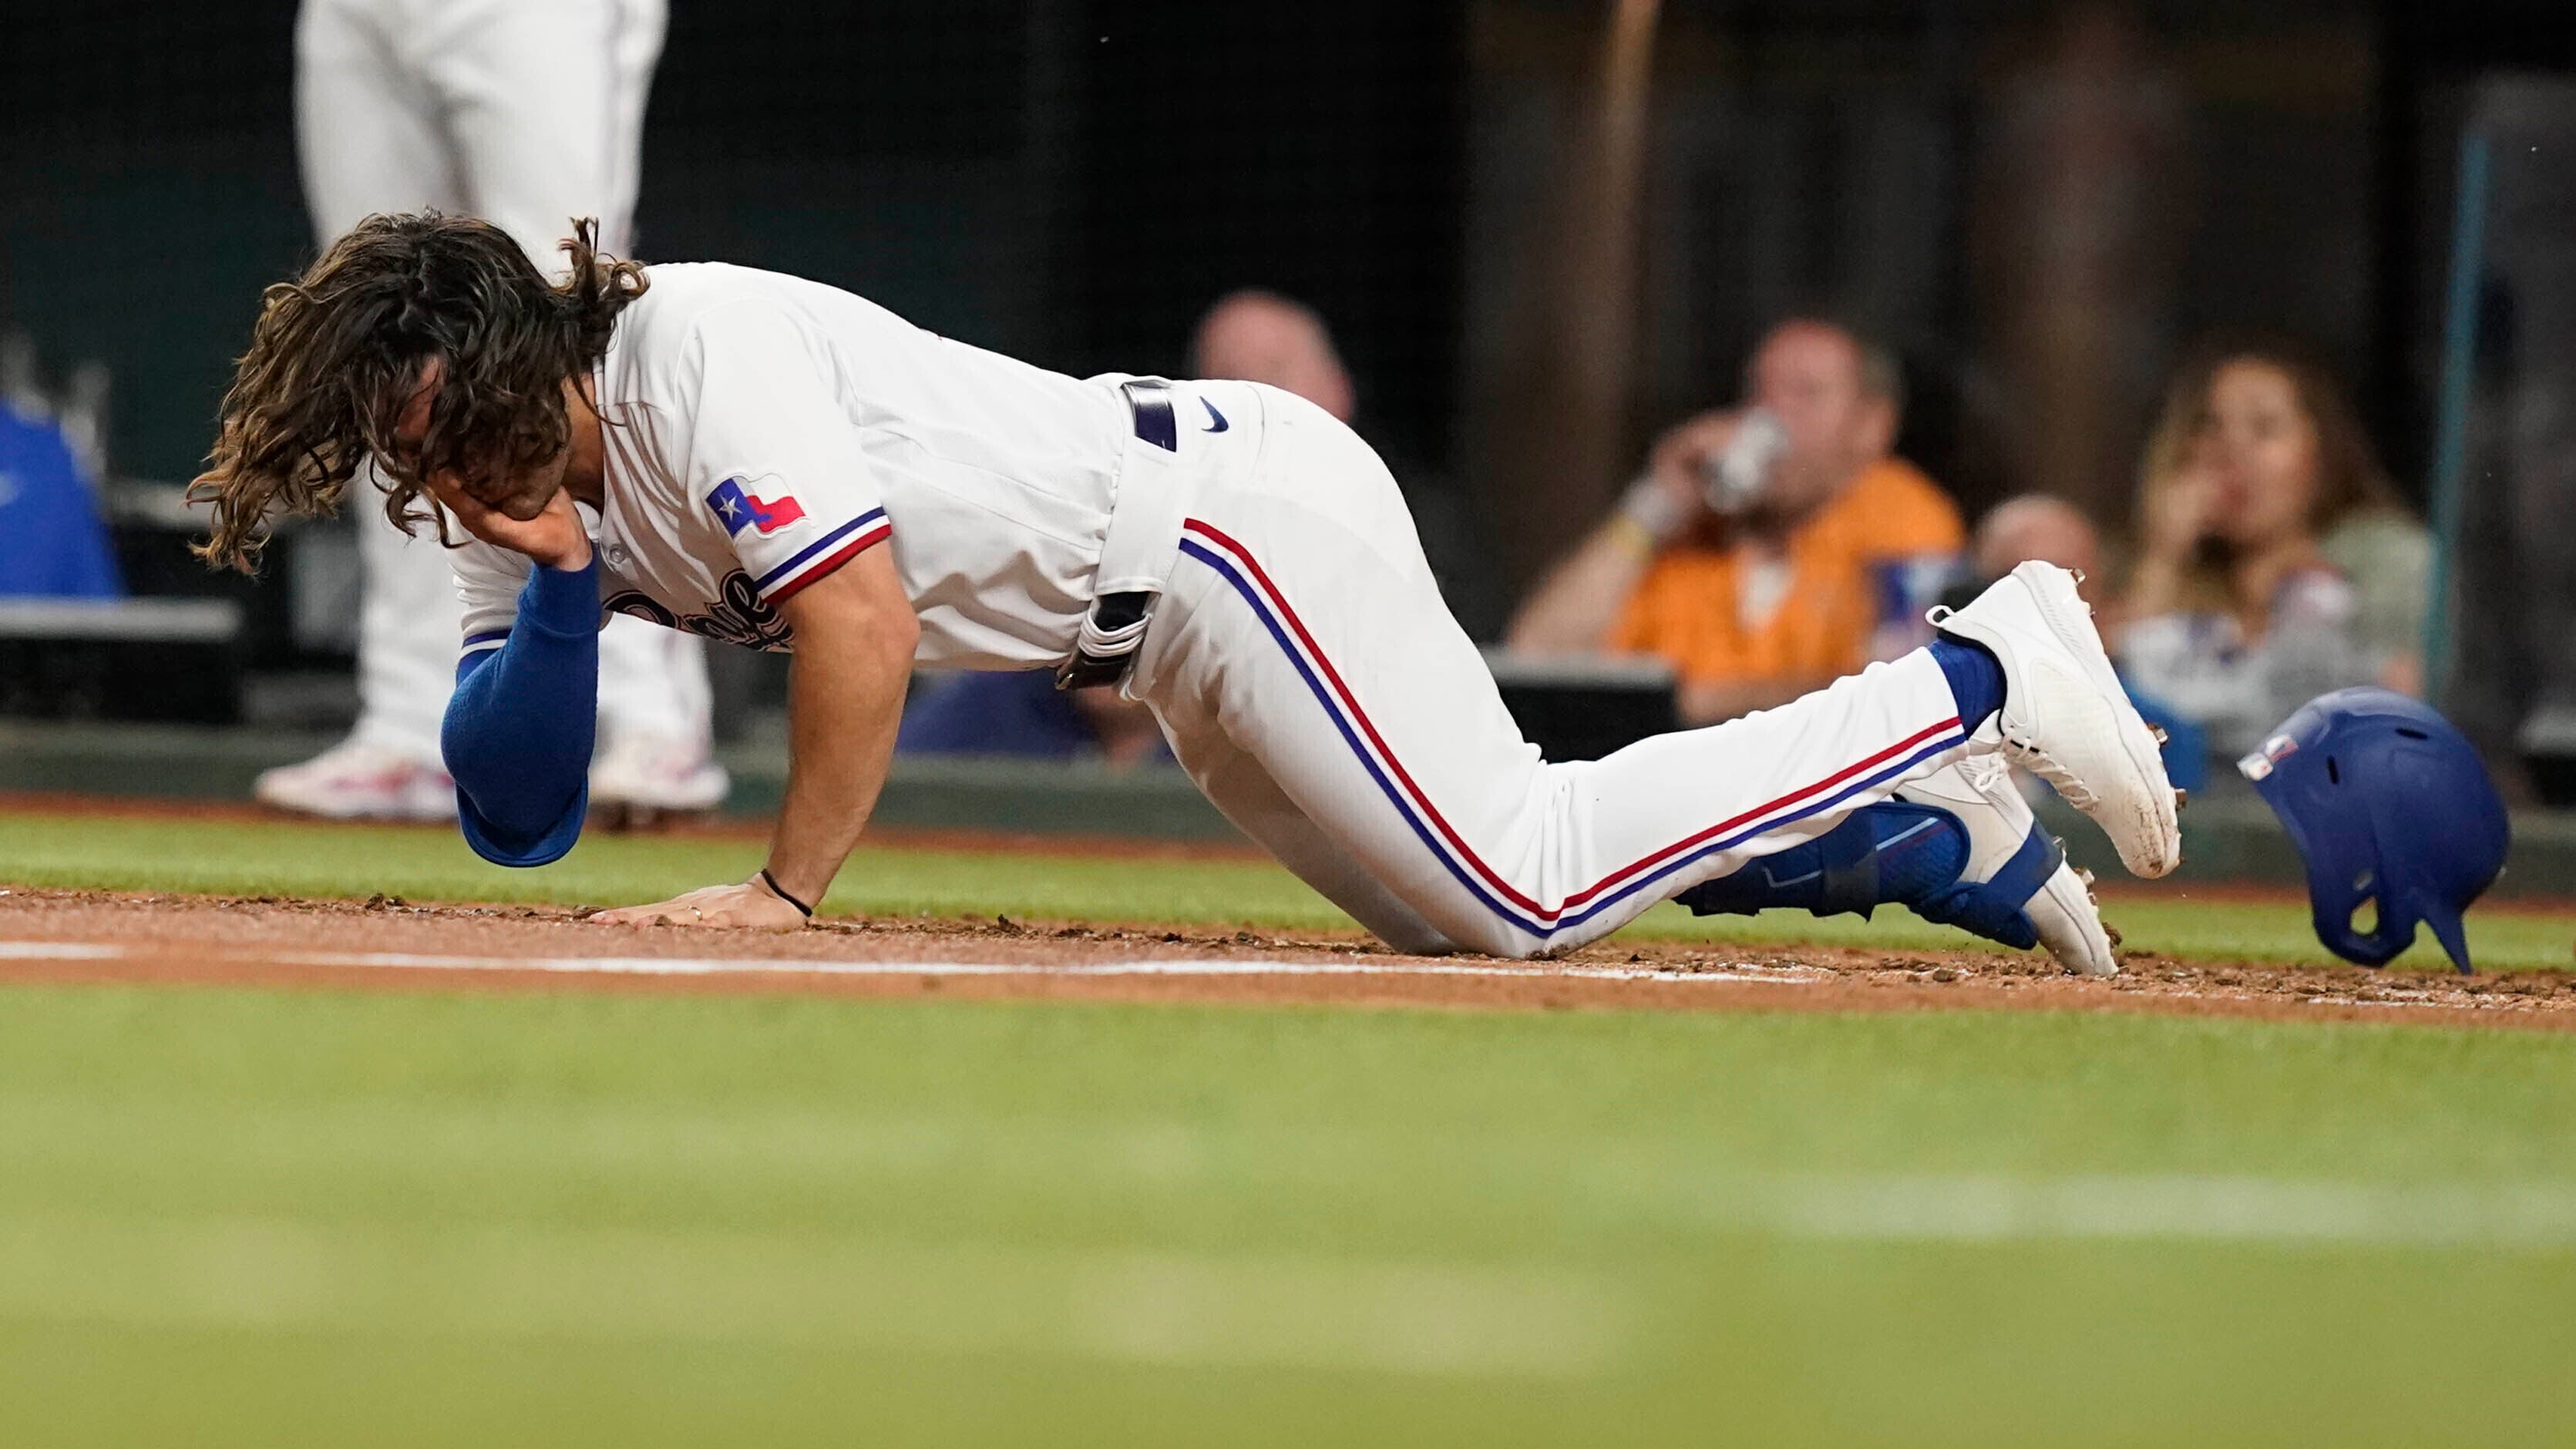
(1823, 564)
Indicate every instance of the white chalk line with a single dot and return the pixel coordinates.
(776, 966)
(2181, 1207)
(540, 1284)
(58, 951)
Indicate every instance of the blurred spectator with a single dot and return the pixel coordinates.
(1259, 336)
(2037, 526)
(1758, 595)
(2052, 530)
(2274, 561)
(1250, 335)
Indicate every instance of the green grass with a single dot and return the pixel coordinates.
(240, 1217)
(285, 858)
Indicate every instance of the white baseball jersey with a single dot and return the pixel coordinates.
(762, 430)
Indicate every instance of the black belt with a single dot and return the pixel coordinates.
(1149, 403)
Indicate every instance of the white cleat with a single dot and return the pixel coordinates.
(2064, 716)
(353, 781)
(1980, 791)
(644, 775)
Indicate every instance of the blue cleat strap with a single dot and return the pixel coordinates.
(1886, 853)
(1829, 875)
(1898, 853)
(1993, 908)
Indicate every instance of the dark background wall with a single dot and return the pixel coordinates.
(1074, 179)
(147, 193)
(1070, 181)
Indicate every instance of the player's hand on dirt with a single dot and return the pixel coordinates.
(554, 538)
(749, 906)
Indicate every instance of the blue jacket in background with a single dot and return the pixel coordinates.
(52, 541)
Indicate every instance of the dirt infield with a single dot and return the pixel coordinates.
(89, 936)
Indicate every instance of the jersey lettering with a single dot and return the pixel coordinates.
(740, 617)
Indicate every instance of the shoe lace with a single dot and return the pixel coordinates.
(2025, 752)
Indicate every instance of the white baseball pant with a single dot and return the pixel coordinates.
(1314, 685)
(528, 113)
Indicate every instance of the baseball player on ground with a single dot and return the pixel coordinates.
(525, 112)
(755, 457)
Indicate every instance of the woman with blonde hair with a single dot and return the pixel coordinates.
(2273, 559)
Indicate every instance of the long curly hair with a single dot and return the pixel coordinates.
(338, 353)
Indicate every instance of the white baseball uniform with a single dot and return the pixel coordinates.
(761, 430)
(528, 113)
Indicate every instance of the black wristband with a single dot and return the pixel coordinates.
(780, 891)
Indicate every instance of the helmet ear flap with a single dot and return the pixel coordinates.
(2337, 892)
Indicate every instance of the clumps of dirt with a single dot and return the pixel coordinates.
(273, 940)
(1204, 941)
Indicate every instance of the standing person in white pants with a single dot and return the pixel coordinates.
(527, 113)
(750, 456)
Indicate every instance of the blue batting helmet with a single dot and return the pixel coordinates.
(2388, 805)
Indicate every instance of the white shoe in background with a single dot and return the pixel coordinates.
(354, 781)
(643, 776)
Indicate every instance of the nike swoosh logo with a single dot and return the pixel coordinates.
(1216, 420)
(1777, 884)
(1908, 833)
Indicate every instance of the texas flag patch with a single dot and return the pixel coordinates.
(738, 508)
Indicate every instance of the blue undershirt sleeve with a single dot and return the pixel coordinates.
(520, 726)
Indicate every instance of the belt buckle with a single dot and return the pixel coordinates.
(1149, 401)
(1082, 671)
(1118, 618)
